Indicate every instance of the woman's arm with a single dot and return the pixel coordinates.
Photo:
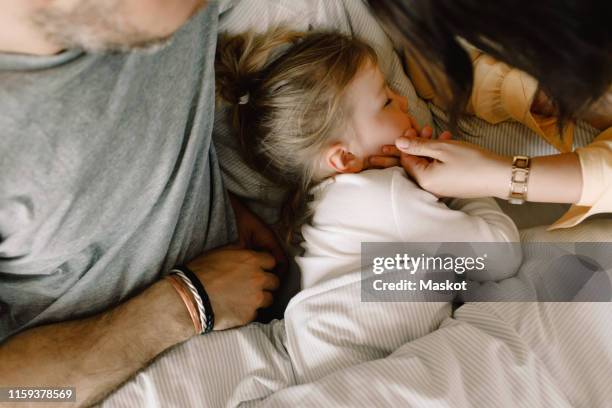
(464, 170)
(554, 179)
(97, 354)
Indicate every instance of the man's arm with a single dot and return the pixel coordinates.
(97, 354)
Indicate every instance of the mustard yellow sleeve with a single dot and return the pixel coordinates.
(500, 93)
(504, 93)
(596, 197)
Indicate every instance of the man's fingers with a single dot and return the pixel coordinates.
(266, 300)
(270, 281)
(421, 147)
(266, 240)
(264, 260)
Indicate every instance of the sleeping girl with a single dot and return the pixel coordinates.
(309, 109)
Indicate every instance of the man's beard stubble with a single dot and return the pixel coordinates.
(94, 26)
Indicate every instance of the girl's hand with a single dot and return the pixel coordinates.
(449, 168)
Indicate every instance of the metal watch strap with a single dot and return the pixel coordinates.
(519, 179)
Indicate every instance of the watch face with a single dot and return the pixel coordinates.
(522, 162)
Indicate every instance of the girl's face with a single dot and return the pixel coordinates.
(379, 115)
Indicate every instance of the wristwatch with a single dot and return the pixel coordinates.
(519, 179)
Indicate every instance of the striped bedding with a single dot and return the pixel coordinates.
(488, 354)
(333, 350)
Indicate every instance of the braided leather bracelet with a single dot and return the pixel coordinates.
(207, 315)
(187, 300)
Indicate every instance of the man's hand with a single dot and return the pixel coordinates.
(98, 353)
(254, 234)
(237, 283)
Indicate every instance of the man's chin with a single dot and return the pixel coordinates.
(97, 43)
(98, 33)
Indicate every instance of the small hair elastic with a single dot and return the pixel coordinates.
(207, 316)
(244, 99)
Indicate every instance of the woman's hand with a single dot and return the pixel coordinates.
(390, 156)
(448, 168)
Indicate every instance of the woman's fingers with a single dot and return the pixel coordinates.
(414, 122)
(391, 154)
(414, 165)
(427, 132)
(421, 147)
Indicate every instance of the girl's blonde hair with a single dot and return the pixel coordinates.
(286, 89)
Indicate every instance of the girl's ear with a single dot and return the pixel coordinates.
(340, 160)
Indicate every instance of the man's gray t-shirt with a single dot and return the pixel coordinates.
(108, 177)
